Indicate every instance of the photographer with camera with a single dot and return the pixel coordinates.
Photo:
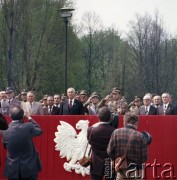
(22, 161)
(132, 146)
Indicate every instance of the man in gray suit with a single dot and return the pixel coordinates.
(10, 101)
(167, 108)
(31, 107)
(22, 162)
(147, 108)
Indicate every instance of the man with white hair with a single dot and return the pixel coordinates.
(156, 101)
(31, 107)
(167, 108)
(71, 106)
(147, 108)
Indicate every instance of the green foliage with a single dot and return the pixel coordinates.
(32, 48)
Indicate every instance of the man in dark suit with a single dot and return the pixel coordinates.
(71, 106)
(22, 161)
(167, 108)
(99, 139)
(50, 109)
(57, 100)
(147, 108)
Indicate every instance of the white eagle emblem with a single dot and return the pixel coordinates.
(72, 145)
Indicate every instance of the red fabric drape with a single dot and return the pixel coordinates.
(163, 147)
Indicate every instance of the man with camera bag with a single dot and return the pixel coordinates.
(130, 145)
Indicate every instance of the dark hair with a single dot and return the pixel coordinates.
(104, 114)
(17, 113)
(130, 118)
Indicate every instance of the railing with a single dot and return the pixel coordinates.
(162, 161)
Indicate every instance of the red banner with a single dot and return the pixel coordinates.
(162, 161)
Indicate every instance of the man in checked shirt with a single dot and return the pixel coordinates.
(137, 151)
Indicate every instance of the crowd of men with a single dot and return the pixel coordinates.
(80, 103)
(105, 141)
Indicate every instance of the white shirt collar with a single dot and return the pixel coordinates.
(165, 105)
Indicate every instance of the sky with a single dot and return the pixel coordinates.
(118, 13)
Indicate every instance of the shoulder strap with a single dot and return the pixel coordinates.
(128, 143)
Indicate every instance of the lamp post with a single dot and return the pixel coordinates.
(66, 13)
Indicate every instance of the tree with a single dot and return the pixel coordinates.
(146, 39)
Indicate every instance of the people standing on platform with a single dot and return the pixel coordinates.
(122, 108)
(10, 101)
(77, 95)
(135, 104)
(92, 104)
(99, 135)
(71, 106)
(51, 109)
(23, 97)
(2, 95)
(43, 101)
(63, 97)
(137, 150)
(112, 100)
(147, 108)
(22, 161)
(57, 100)
(167, 108)
(32, 107)
(156, 101)
(83, 97)
(2, 99)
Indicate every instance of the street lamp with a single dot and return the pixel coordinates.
(66, 13)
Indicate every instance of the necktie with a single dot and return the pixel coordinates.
(9, 101)
(146, 110)
(70, 104)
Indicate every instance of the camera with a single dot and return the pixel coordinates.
(147, 136)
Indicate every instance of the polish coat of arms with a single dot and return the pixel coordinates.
(72, 145)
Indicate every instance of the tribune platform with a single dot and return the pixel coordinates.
(161, 164)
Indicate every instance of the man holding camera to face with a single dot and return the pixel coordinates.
(129, 143)
(22, 161)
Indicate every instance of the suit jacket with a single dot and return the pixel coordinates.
(171, 110)
(55, 110)
(35, 109)
(22, 157)
(6, 106)
(152, 110)
(175, 110)
(99, 140)
(77, 108)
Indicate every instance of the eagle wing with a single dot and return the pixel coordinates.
(66, 140)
